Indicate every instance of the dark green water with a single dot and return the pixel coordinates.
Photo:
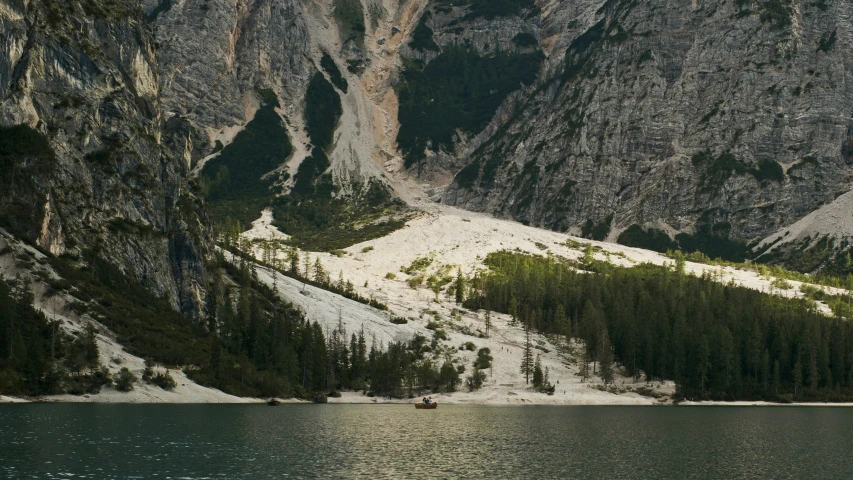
(376, 441)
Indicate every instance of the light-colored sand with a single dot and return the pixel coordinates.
(505, 384)
(5, 399)
(263, 229)
(457, 239)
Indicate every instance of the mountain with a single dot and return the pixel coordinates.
(150, 134)
(89, 160)
(717, 120)
(720, 123)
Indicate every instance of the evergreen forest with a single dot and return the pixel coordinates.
(717, 341)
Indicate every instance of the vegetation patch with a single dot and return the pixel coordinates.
(768, 169)
(491, 9)
(598, 231)
(233, 182)
(468, 175)
(334, 72)
(714, 245)
(718, 170)
(779, 13)
(650, 239)
(525, 40)
(422, 37)
(350, 17)
(716, 341)
(322, 111)
(827, 41)
(457, 90)
(581, 50)
(162, 7)
(319, 221)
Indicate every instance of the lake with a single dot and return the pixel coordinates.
(397, 441)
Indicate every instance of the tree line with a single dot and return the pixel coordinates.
(283, 354)
(716, 341)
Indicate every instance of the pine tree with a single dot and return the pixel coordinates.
(588, 256)
(586, 355)
(319, 272)
(798, 377)
(777, 379)
(561, 322)
(306, 270)
(460, 287)
(513, 311)
(538, 374)
(605, 358)
(527, 356)
(294, 261)
(680, 262)
(90, 343)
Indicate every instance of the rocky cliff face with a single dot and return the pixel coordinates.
(84, 76)
(726, 118)
(216, 55)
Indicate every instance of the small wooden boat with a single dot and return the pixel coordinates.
(426, 406)
(273, 402)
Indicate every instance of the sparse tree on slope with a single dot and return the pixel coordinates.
(460, 287)
(527, 357)
(538, 374)
(605, 358)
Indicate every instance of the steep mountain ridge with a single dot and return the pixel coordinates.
(725, 119)
(97, 167)
(590, 116)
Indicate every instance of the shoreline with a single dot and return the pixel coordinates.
(353, 398)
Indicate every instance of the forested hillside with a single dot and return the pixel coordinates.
(716, 341)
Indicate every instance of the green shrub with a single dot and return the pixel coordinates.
(418, 265)
(124, 380)
(777, 12)
(484, 359)
(468, 175)
(399, 321)
(475, 380)
(164, 380)
(163, 7)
